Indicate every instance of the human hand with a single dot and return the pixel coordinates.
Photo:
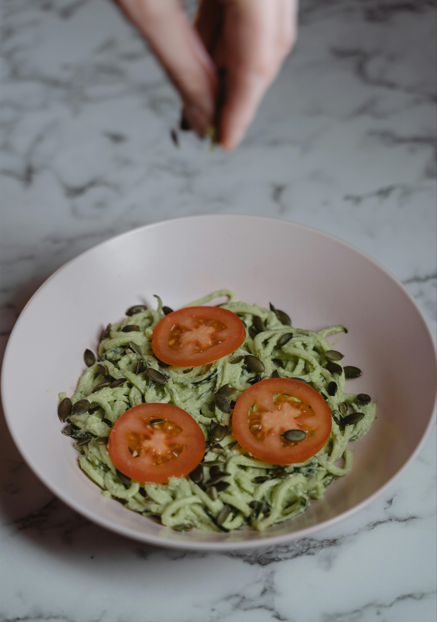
(223, 64)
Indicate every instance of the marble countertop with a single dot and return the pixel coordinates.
(344, 142)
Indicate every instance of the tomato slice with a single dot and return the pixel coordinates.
(197, 336)
(152, 442)
(273, 406)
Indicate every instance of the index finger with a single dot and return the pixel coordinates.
(181, 52)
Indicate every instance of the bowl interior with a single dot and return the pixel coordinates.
(317, 279)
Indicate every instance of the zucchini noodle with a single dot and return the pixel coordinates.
(181, 503)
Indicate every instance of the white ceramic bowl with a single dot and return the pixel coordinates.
(318, 279)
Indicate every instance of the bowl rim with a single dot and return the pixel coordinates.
(164, 542)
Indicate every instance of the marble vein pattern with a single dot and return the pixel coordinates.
(344, 142)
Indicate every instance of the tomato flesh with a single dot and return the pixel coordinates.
(273, 406)
(152, 442)
(197, 336)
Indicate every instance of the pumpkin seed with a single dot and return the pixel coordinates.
(363, 398)
(93, 410)
(332, 388)
(101, 369)
(107, 331)
(82, 441)
(352, 372)
(254, 363)
(285, 339)
(221, 486)
(216, 470)
(283, 317)
(275, 374)
(102, 440)
(280, 474)
(219, 433)
(102, 385)
(133, 346)
(352, 419)
(334, 355)
(223, 515)
(156, 376)
(254, 380)
(167, 310)
(336, 419)
(117, 383)
(343, 408)
(139, 368)
(187, 371)
(80, 407)
(296, 436)
(64, 409)
(89, 357)
(175, 139)
(197, 475)
(217, 449)
(67, 430)
(215, 480)
(253, 332)
(182, 527)
(226, 390)
(107, 421)
(122, 477)
(334, 368)
(259, 479)
(278, 362)
(136, 309)
(130, 328)
(222, 403)
(212, 425)
(236, 359)
(259, 324)
(212, 463)
(212, 493)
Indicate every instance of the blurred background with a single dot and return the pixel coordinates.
(344, 141)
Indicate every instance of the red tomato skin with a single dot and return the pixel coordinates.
(272, 451)
(141, 469)
(234, 336)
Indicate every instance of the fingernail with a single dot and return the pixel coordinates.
(196, 118)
